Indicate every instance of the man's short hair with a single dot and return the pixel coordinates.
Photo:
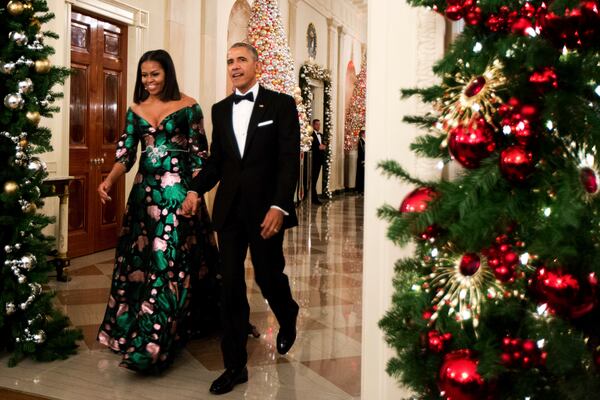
(315, 120)
(248, 46)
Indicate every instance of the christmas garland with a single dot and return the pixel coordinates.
(315, 71)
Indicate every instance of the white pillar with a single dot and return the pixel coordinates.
(293, 8)
(333, 61)
(402, 46)
(341, 108)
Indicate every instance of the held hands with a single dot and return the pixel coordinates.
(190, 204)
(272, 223)
(103, 190)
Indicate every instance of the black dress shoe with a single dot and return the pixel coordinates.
(228, 379)
(287, 336)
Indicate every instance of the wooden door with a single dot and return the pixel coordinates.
(97, 113)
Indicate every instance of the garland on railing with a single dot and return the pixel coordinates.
(315, 71)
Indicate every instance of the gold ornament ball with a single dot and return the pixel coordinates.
(30, 209)
(297, 91)
(23, 143)
(42, 66)
(15, 7)
(36, 24)
(34, 117)
(27, 6)
(10, 187)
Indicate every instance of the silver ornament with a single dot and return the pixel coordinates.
(20, 155)
(25, 86)
(22, 279)
(37, 165)
(43, 103)
(28, 261)
(18, 37)
(10, 308)
(14, 101)
(7, 68)
(39, 37)
(39, 337)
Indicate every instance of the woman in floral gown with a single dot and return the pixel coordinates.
(160, 252)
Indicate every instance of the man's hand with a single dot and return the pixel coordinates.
(190, 204)
(272, 223)
(322, 146)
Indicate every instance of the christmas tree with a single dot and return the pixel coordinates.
(500, 299)
(266, 34)
(29, 326)
(356, 113)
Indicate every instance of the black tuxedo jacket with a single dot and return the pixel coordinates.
(267, 173)
(318, 154)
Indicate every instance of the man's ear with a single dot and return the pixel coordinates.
(258, 69)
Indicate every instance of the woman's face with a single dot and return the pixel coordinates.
(153, 77)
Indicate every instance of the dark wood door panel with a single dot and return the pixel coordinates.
(98, 84)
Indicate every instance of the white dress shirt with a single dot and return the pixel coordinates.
(241, 114)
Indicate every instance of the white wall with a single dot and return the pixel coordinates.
(305, 15)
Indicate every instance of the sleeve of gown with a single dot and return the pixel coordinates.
(127, 145)
(198, 144)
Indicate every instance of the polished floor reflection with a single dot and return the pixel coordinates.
(324, 263)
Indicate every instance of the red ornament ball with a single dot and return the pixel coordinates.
(589, 179)
(516, 163)
(544, 80)
(418, 200)
(469, 144)
(564, 293)
(459, 379)
(469, 264)
(436, 342)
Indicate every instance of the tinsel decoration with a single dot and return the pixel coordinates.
(315, 71)
(467, 97)
(462, 284)
(267, 35)
(355, 118)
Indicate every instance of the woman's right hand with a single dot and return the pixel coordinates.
(103, 190)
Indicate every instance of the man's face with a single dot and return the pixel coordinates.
(317, 125)
(242, 68)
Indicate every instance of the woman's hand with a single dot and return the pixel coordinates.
(103, 190)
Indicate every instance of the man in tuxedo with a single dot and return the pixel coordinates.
(318, 157)
(254, 155)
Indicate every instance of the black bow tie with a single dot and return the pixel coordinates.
(238, 97)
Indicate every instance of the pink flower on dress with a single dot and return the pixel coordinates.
(159, 244)
(154, 212)
(123, 308)
(111, 302)
(138, 178)
(137, 276)
(153, 349)
(142, 241)
(169, 179)
(121, 152)
(147, 308)
(149, 139)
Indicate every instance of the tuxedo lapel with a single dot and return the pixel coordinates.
(258, 110)
(229, 127)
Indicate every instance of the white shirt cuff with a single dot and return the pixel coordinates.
(282, 210)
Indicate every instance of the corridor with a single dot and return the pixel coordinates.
(324, 264)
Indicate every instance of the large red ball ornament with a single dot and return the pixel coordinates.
(469, 144)
(564, 293)
(589, 179)
(418, 200)
(459, 379)
(516, 163)
(469, 264)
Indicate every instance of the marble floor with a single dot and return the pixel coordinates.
(324, 264)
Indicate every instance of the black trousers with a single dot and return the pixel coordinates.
(236, 236)
(316, 170)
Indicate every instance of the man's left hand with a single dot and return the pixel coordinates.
(272, 223)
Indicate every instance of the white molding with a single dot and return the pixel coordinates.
(116, 10)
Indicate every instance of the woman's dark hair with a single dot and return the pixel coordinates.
(170, 90)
